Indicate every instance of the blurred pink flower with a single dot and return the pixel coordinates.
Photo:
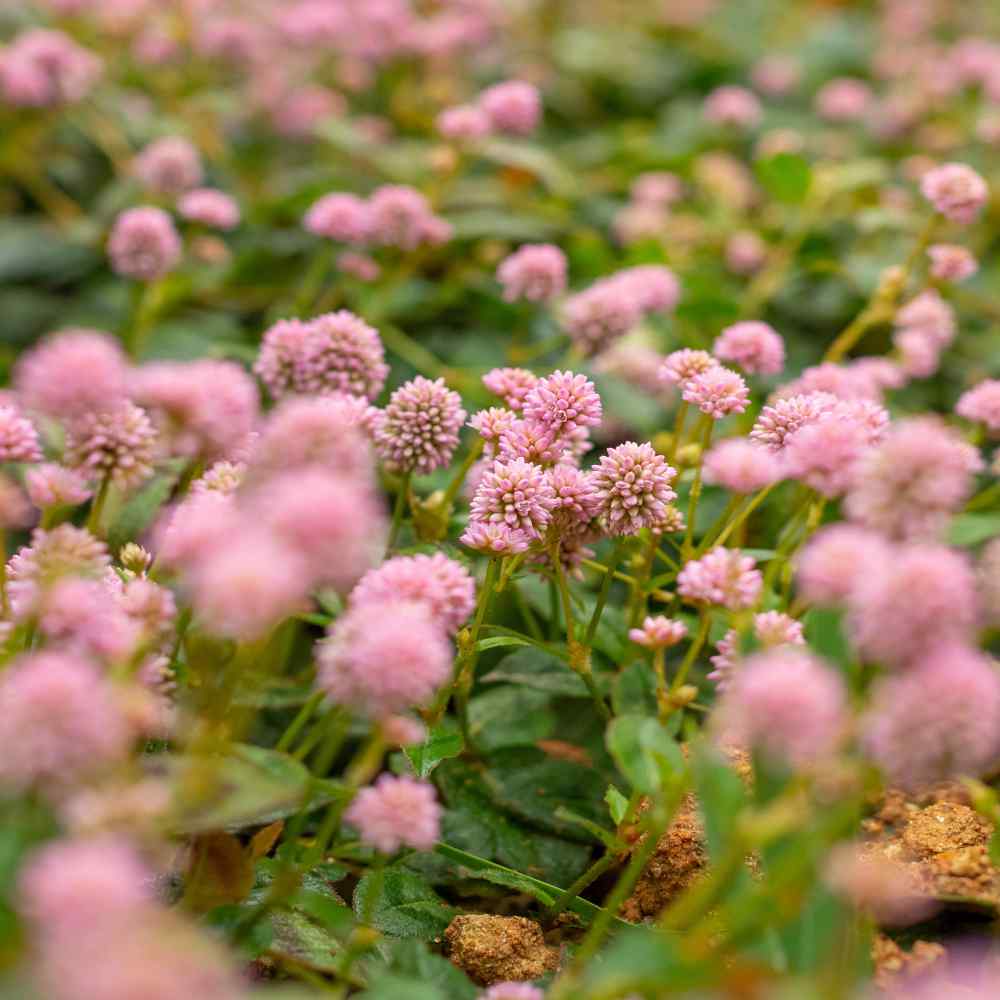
(512, 106)
(536, 272)
(169, 166)
(756, 347)
(717, 392)
(143, 244)
(956, 191)
(396, 812)
(722, 576)
(119, 444)
(210, 207)
(741, 466)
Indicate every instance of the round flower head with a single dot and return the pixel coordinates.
(735, 106)
(418, 429)
(950, 262)
(512, 385)
(786, 704)
(956, 191)
(401, 217)
(879, 886)
(776, 75)
(938, 721)
(577, 499)
(512, 991)
(336, 352)
(923, 596)
(536, 272)
(143, 244)
(745, 252)
(72, 373)
(929, 314)
(42, 68)
(516, 493)
(59, 722)
(396, 812)
(633, 483)
(600, 315)
(15, 511)
(18, 437)
(492, 424)
(825, 454)
(981, 404)
(773, 628)
(443, 584)
(535, 443)
(199, 524)
(495, 538)
(775, 424)
(384, 658)
(211, 208)
(752, 345)
(844, 99)
(658, 188)
(562, 402)
(679, 367)
(513, 106)
(658, 632)
(722, 576)
(169, 166)
(464, 121)
(879, 374)
(717, 392)
(741, 466)
(655, 288)
(835, 559)
(120, 444)
(341, 217)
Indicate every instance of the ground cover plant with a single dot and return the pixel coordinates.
(500, 499)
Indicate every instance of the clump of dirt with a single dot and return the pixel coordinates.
(944, 826)
(492, 949)
(893, 963)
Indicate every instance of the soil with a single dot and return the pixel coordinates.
(492, 949)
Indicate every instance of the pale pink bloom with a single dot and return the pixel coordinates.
(634, 485)
(956, 191)
(512, 991)
(233, 40)
(919, 352)
(384, 658)
(835, 559)
(119, 444)
(776, 423)
(741, 466)
(658, 632)
(495, 538)
(358, 265)
(771, 628)
(491, 424)
(402, 731)
(402, 217)
(341, 217)
(655, 288)
(212, 208)
(577, 498)
(722, 576)
(825, 454)
(930, 314)
(636, 364)
(150, 607)
(512, 106)
(601, 314)
(82, 616)
(981, 404)
(638, 221)
(880, 374)
(679, 367)
(533, 442)
(510, 384)
(785, 703)
(745, 252)
(756, 347)
(15, 511)
(842, 381)
(727, 179)
(143, 244)
(299, 112)
(717, 392)
(937, 721)
(72, 373)
(657, 189)
(516, 493)
(562, 402)
(536, 272)
(464, 121)
(731, 105)
(776, 75)
(951, 262)
(878, 886)
(443, 584)
(18, 437)
(844, 99)
(43, 68)
(202, 522)
(169, 166)
(396, 812)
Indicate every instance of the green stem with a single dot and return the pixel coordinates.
(147, 300)
(398, 510)
(456, 484)
(602, 594)
(693, 650)
(679, 418)
(733, 525)
(97, 507)
(312, 281)
(708, 426)
(289, 736)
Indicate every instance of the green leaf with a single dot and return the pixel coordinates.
(404, 906)
(541, 671)
(634, 690)
(510, 716)
(786, 177)
(413, 958)
(967, 530)
(720, 794)
(139, 512)
(824, 632)
(617, 804)
(533, 159)
(496, 641)
(443, 741)
(645, 752)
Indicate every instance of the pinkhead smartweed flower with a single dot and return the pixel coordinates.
(843, 100)
(730, 105)
(464, 121)
(601, 314)
(384, 658)
(924, 596)
(59, 721)
(951, 262)
(825, 453)
(169, 166)
(201, 522)
(776, 75)
(418, 429)
(536, 272)
(341, 217)
(335, 352)
(877, 885)
(563, 402)
(956, 191)
(119, 444)
(495, 538)
(717, 392)
(981, 404)
(657, 189)
(81, 616)
(745, 252)
(633, 483)
(914, 480)
(72, 373)
(143, 244)
(722, 576)
(741, 466)
(937, 721)
(201, 409)
(512, 106)
(842, 381)
(402, 731)
(396, 812)
(679, 367)
(492, 424)
(512, 991)
(18, 437)
(533, 442)
(878, 374)
(658, 632)
(402, 217)
(211, 208)
(776, 423)
(654, 287)
(15, 511)
(756, 347)
(770, 629)
(43, 68)
(150, 607)
(577, 499)
(835, 559)
(785, 703)
(512, 385)
(516, 493)
(919, 353)
(443, 584)
(988, 573)
(931, 315)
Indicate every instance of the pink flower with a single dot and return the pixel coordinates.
(491, 424)
(577, 499)
(42, 68)
(842, 381)
(144, 244)
(919, 352)
(515, 493)
(752, 345)
(774, 628)
(563, 402)
(15, 511)
(734, 106)
(169, 166)
(72, 373)
(510, 384)
(335, 352)
(495, 538)
(601, 314)
(658, 632)
(655, 288)
(745, 252)
(989, 580)
(835, 559)
(464, 121)
(18, 437)
(82, 616)
(512, 991)
(358, 265)
(418, 429)
(981, 404)
(776, 75)
(402, 217)
(844, 99)
(657, 189)
(930, 314)
(536, 272)
(722, 576)
(717, 392)
(878, 886)
(341, 217)
(938, 721)
(775, 424)
(120, 444)
(633, 483)
(195, 527)
(825, 454)
(211, 208)
(534, 443)
(950, 262)
(442, 584)
(679, 367)
(396, 812)
(512, 106)
(741, 466)
(384, 658)
(956, 191)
